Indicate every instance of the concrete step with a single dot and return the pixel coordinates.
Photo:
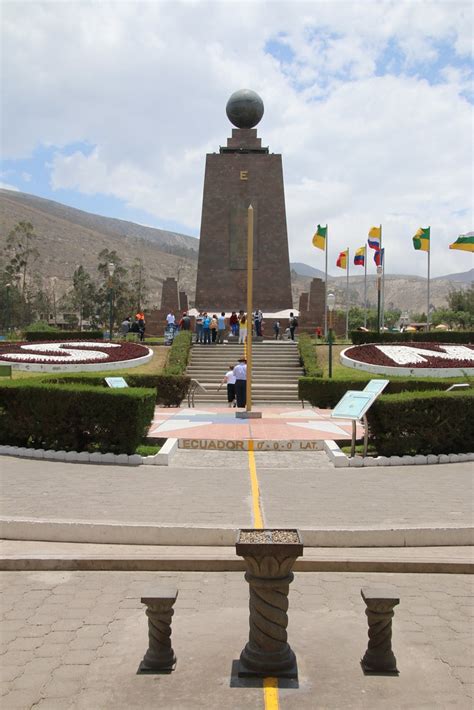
(46, 556)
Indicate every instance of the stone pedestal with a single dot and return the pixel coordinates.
(160, 655)
(269, 556)
(379, 657)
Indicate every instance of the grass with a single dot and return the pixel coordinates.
(147, 449)
(154, 367)
(338, 370)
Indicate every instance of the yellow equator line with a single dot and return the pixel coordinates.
(270, 685)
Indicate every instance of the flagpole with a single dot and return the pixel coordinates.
(347, 296)
(379, 285)
(382, 254)
(326, 286)
(428, 308)
(365, 286)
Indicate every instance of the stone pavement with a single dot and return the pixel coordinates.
(213, 489)
(74, 640)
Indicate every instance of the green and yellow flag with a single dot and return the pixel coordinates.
(319, 239)
(421, 240)
(464, 242)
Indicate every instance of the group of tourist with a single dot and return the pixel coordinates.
(137, 326)
(213, 328)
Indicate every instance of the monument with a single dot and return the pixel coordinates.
(242, 174)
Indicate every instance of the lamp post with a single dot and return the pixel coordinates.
(331, 302)
(379, 295)
(111, 270)
(7, 307)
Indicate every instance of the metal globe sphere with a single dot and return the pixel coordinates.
(244, 108)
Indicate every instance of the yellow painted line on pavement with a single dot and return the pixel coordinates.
(270, 693)
(257, 511)
(270, 685)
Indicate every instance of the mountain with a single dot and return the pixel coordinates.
(306, 270)
(68, 237)
(466, 277)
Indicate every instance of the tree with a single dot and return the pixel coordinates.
(115, 288)
(83, 294)
(462, 300)
(138, 284)
(22, 253)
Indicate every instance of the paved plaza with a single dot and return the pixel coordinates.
(73, 640)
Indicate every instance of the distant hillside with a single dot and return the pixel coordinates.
(172, 242)
(466, 277)
(68, 237)
(306, 270)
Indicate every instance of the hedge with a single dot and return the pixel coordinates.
(456, 336)
(38, 335)
(422, 423)
(325, 393)
(170, 390)
(308, 356)
(74, 417)
(179, 354)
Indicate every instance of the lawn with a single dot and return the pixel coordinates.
(338, 370)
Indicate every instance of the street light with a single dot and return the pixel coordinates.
(331, 302)
(111, 270)
(7, 307)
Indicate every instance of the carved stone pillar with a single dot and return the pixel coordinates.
(379, 657)
(159, 656)
(270, 556)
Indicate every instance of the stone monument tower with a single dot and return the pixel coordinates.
(243, 173)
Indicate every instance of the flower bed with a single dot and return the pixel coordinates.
(420, 359)
(73, 356)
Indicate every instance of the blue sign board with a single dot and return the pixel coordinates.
(353, 405)
(376, 386)
(116, 382)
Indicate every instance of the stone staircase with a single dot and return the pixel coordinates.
(276, 369)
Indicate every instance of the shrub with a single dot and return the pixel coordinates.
(326, 393)
(41, 326)
(170, 390)
(74, 417)
(422, 423)
(179, 354)
(435, 336)
(308, 356)
(38, 335)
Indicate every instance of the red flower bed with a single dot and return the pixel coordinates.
(373, 355)
(121, 351)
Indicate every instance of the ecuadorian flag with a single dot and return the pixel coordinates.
(342, 259)
(421, 240)
(359, 258)
(378, 257)
(375, 236)
(465, 242)
(319, 239)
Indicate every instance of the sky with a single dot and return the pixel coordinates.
(111, 107)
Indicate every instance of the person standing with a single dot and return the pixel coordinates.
(221, 327)
(126, 327)
(240, 374)
(213, 327)
(276, 329)
(242, 328)
(141, 325)
(234, 323)
(293, 324)
(170, 321)
(185, 322)
(206, 329)
(229, 380)
(199, 333)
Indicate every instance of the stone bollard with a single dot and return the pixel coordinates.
(379, 657)
(269, 556)
(160, 656)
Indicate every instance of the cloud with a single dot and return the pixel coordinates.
(7, 186)
(365, 103)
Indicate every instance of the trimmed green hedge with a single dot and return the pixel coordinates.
(434, 336)
(422, 423)
(74, 417)
(37, 335)
(308, 356)
(170, 390)
(179, 354)
(326, 393)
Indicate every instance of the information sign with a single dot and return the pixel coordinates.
(353, 405)
(116, 382)
(376, 386)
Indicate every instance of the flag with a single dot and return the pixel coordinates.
(359, 258)
(319, 239)
(342, 259)
(464, 242)
(375, 236)
(378, 256)
(421, 240)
